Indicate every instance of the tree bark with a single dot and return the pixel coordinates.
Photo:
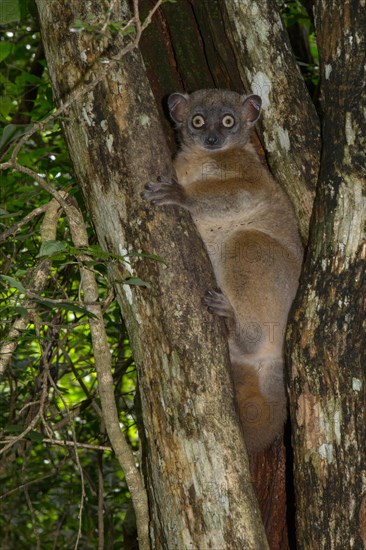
(198, 481)
(290, 125)
(328, 376)
(206, 49)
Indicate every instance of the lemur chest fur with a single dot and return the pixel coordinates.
(250, 231)
(231, 201)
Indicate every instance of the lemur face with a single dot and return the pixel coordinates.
(214, 119)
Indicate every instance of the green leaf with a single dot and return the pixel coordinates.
(28, 78)
(14, 428)
(22, 311)
(12, 132)
(13, 283)
(5, 50)
(6, 105)
(68, 306)
(135, 281)
(9, 11)
(34, 436)
(50, 248)
(27, 7)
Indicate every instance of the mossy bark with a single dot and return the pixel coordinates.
(328, 376)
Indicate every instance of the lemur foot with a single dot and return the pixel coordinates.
(218, 303)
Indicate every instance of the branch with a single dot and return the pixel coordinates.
(102, 71)
(77, 460)
(27, 484)
(103, 364)
(101, 504)
(39, 279)
(37, 416)
(14, 228)
(77, 445)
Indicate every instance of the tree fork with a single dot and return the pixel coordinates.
(199, 484)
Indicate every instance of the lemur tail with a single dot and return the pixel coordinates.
(261, 400)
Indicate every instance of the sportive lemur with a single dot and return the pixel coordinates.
(250, 231)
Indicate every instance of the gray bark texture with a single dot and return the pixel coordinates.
(290, 126)
(198, 483)
(328, 375)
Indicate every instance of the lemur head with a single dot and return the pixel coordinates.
(214, 119)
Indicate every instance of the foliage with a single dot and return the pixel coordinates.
(42, 483)
(303, 39)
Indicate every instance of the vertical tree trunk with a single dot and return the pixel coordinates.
(209, 53)
(290, 126)
(328, 362)
(198, 480)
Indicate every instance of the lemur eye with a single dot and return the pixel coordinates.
(228, 121)
(198, 121)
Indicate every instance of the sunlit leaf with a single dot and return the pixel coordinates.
(50, 248)
(9, 11)
(13, 283)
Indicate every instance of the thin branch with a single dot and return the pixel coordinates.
(43, 182)
(57, 301)
(27, 484)
(40, 274)
(84, 88)
(150, 15)
(77, 445)
(81, 382)
(103, 364)
(137, 19)
(37, 416)
(14, 228)
(77, 460)
(101, 507)
(33, 517)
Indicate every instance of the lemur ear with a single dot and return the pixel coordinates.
(177, 104)
(251, 108)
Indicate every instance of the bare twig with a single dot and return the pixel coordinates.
(38, 415)
(150, 15)
(136, 12)
(101, 506)
(43, 182)
(14, 228)
(27, 484)
(77, 460)
(33, 517)
(77, 445)
(103, 364)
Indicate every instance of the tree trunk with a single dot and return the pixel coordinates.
(290, 126)
(206, 49)
(328, 376)
(198, 480)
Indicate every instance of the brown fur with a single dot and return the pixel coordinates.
(249, 228)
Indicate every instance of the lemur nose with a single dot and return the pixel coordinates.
(211, 140)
